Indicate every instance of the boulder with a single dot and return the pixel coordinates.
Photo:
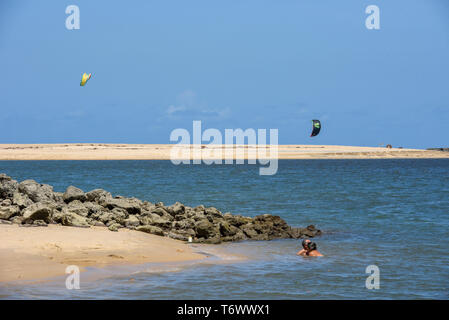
(40, 223)
(159, 221)
(214, 212)
(114, 227)
(187, 223)
(16, 219)
(73, 193)
(130, 205)
(78, 207)
(249, 231)
(132, 221)
(4, 177)
(227, 230)
(236, 220)
(147, 206)
(8, 186)
(178, 208)
(151, 229)
(311, 231)
(7, 212)
(69, 218)
(21, 199)
(116, 215)
(205, 229)
(35, 191)
(160, 211)
(37, 211)
(93, 207)
(97, 195)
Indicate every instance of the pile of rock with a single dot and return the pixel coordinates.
(33, 204)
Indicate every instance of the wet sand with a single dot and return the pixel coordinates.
(99, 151)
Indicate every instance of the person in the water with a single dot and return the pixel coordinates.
(309, 249)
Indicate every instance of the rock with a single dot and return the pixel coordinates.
(4, 177)
(37, 211)
(73, 193)
(159, 221)
(40, 223)
(178, 208)
(311, 231)
(32, 204)
(145, 220)
(7, 186)
(132, 221)
(239, 236)
(177, 236)
(236, 220)
(119, 214)
(130, 205)
(35, 191)
(5, 222)
(69, 218)
(214, 240)
(97, 195)
(159, 211)
(198, 215)
(227, 230)
(249, 231)
(93, 207)
(8, 212)
(295, 233)
(204, 228)
(114, 227)
(78, 207)
(116, 215)
(16, 219)
(6, 203)
(58, 196)
(151, 229)
(22, 200)
(187, 223)
(214, 212)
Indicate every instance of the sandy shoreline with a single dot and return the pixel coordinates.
(100, 151)
(29, 253)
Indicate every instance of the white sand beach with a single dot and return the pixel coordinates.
(100, 151)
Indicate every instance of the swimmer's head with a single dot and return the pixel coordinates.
(305, 243)
(311, 246)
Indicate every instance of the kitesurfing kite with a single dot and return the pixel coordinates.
(85, 78)
(316, 128)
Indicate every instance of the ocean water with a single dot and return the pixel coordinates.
(390, 213)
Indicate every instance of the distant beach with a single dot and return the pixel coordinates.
(101, 151)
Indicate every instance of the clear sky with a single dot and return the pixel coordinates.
(158, 65)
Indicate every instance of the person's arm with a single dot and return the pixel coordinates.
(300, 252)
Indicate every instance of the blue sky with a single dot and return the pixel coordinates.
(158, 65)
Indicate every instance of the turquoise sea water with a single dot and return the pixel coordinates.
(389, 213)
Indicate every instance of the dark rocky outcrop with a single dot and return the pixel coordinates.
(439, 149)
(30, 203)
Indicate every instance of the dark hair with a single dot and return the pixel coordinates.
(305, 244)
(312, 246)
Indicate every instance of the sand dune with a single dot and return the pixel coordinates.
(99, 151)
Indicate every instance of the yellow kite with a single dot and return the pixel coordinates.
(85, 78)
